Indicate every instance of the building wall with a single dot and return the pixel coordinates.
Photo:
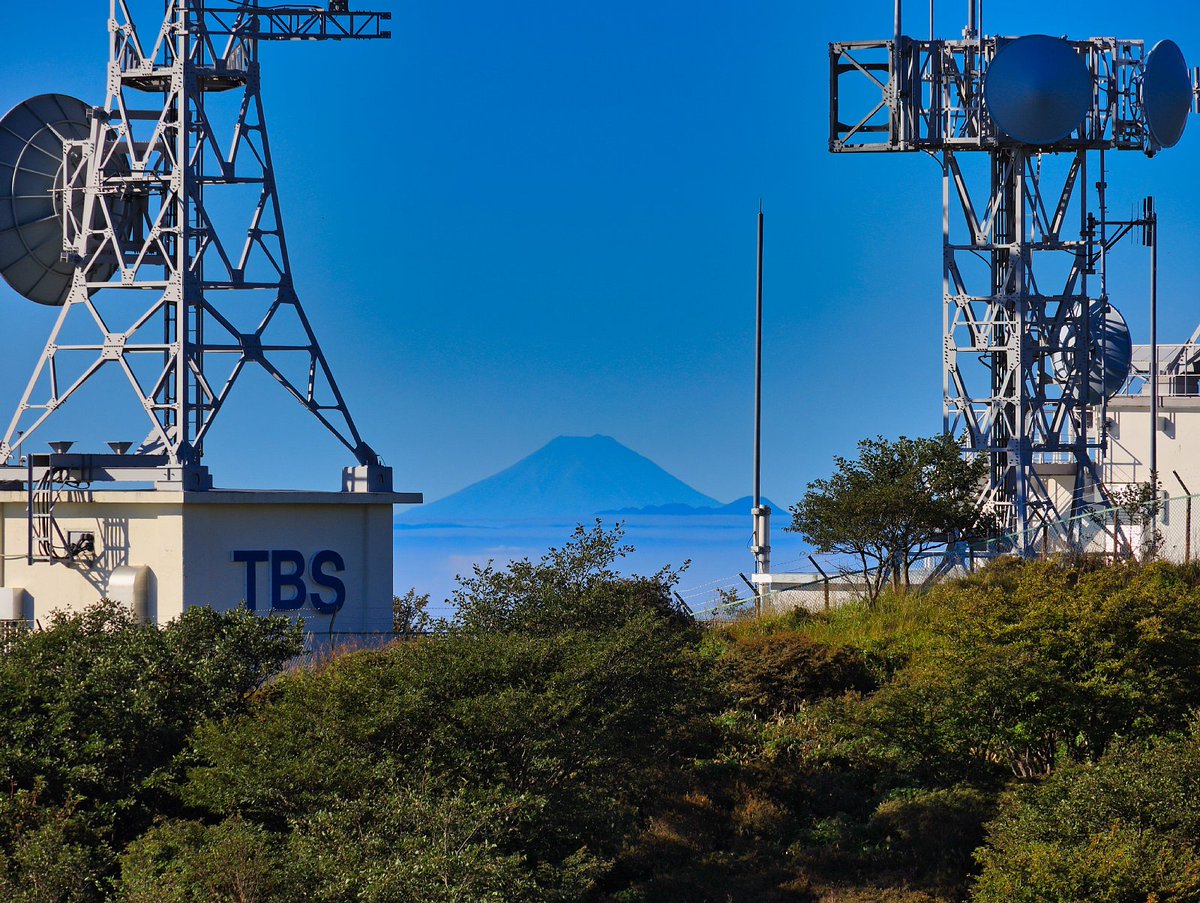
(189, 540)
(1128, 460)
(361, 534)
(130, 532)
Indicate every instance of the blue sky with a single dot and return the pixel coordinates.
(520, 220)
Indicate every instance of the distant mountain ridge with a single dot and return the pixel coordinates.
(573, 477)
(737, 506)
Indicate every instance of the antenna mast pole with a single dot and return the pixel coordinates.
(761, 513)
(1152, 227)
(758, 368)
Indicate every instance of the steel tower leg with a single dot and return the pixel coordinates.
(1030, 419)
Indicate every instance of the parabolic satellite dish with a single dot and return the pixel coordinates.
(1037, 89)
(1166, 93)
(1112, 353)
(31, 162)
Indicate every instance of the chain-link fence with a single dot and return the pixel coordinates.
(1141, 529)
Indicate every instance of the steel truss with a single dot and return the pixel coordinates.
(1018, 247)
(180, 304)
(1029, 414)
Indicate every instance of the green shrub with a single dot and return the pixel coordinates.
(777, 673)
(1044, 662)
(1124, 829)
(189, 862)
(538, 728)
(933, 830)
(96, 712)
(52, 855)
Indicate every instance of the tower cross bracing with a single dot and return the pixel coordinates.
(172, 220)
(1020, 238)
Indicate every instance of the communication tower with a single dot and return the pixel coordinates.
(108, 214)
(153, 223)
(1020, 127)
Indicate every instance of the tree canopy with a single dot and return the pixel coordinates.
(894, 502)
(1027, 733)
(96, 721)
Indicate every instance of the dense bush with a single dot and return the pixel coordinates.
(507, 758)
(1124, 829)
(95, 718)
(1033, 664)
(519, 744)
(1024, 734)
(775, 673)
(1021, 670)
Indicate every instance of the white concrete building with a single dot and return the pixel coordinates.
(1127, 458)
(323, 556)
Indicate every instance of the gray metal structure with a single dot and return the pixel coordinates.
(1020, 233)
(171, 262)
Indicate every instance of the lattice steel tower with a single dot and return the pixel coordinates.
(155, 223)
(1022, 233)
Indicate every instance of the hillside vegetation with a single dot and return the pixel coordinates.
(1025, 734)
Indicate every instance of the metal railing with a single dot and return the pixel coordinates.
(1167, 529)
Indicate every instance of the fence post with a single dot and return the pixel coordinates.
(1116, 533)
(1187, 539)
(821, 571)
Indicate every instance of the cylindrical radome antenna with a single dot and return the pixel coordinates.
(898, 28)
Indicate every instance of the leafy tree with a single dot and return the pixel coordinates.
(410, 614)
(507, 758)
(894, 502)
(95, 716)
(1140, 505)
(571, 588)
(51, 853)
(190, 862)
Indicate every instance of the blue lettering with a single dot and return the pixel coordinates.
(288, 590)
(328, 581)
(251, 560)
(293, 580)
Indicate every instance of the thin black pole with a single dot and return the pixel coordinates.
(1152, 225)
(758, 366)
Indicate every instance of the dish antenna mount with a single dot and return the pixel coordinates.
(1015, 124)
(154, 222)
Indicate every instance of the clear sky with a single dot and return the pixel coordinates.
(524, 219)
